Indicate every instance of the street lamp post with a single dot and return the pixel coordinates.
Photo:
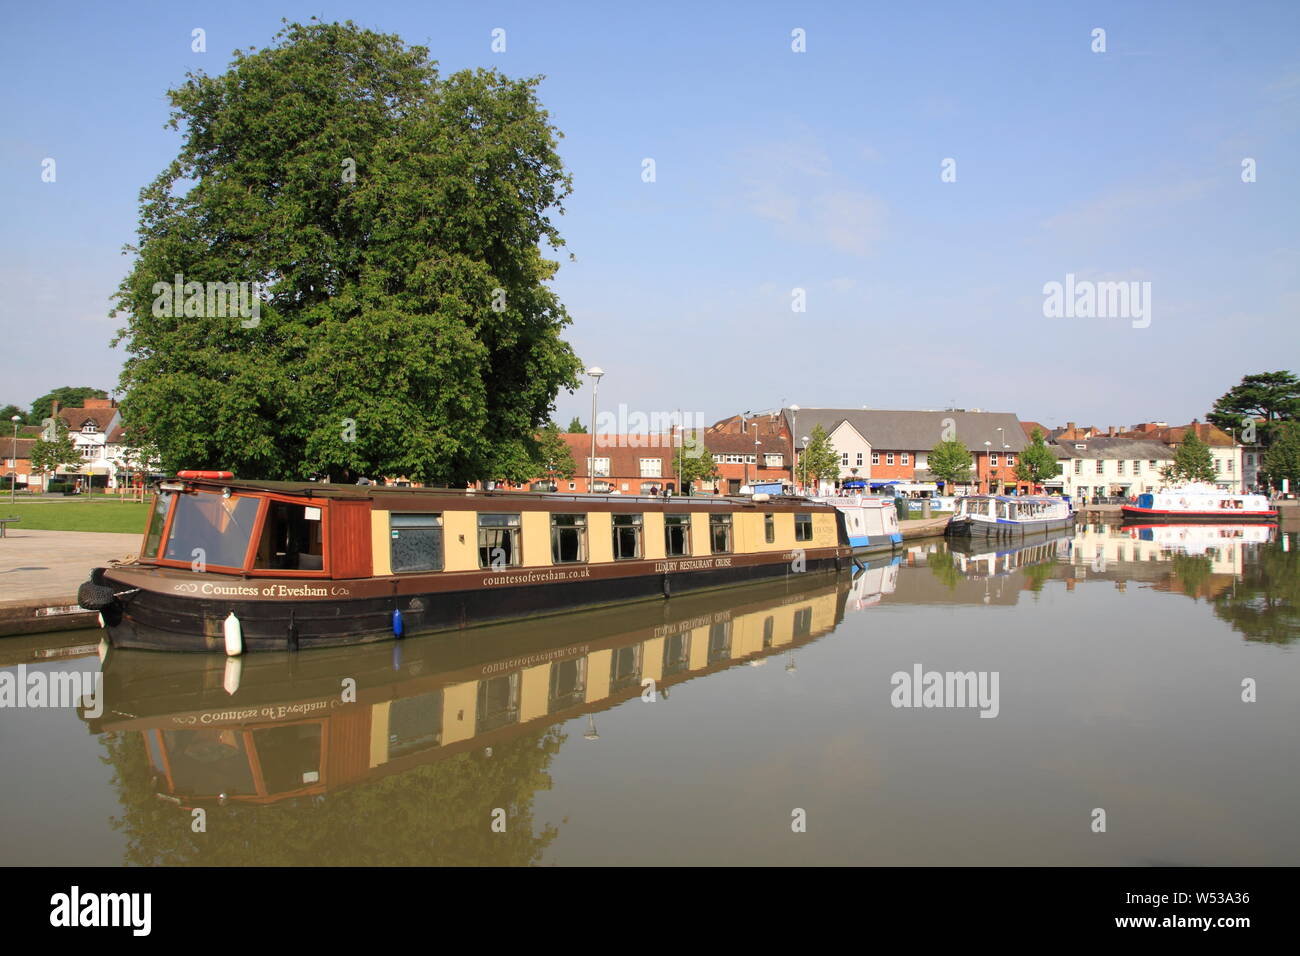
(794, 430)
(805, 462)
(13, 483)
(745, 464)
(595, 372)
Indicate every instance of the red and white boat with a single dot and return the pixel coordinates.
(1199, 502)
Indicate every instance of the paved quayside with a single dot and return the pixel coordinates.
(40, 572)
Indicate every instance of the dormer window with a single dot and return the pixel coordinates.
(1080, 447)
(89, 427)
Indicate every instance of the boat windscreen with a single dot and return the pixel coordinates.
(211, 529)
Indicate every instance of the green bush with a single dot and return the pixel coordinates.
(60, 487)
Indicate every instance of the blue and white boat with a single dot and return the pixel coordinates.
(1008, 516)
(871, 521)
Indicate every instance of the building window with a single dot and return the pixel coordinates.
(1100, 463)
(677, 535)
(652, 467)
(993, 459)
(844, 459)
(1011, 459)
(415, 543)
(774, 461)
(602, 468)
(573, 486)
(1078, 466)
(803, 527)
(859, 459)
(568, 538)
(627, 537)
(1250, 460)
(89, 451)
(720, 533)
(1137, 467)
(875, 457)
(1229, 466)
(89, 428)
(769, 529)
(498, 541)
(889, 458)
(906, 459)
(1218, 466)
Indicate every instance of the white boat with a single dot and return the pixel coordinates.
(1200, 537)
(871, 521)
(1008, 516)
(1199, 502)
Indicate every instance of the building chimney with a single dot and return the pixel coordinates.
(1069, 426)
(54, 409)
(1111, 432)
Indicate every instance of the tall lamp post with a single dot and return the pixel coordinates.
(13, 483)
(794, 430)
(805, 462)
(746, 457)
(988, 446)
(595, 372)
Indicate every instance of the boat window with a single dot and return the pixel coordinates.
(498, 541)
(803, 527)
(769, 630)
(568, 684)
(568, 538)
(677, 653)
(498, 702)
(289, 756)
(157, 522)
(720, 533)
(627, 537)
(719, 641)
(208, 760)
(415, 723)
(625, 668)
(677, 535)
(769, 529)
(291, 538)
(803, 622)
(415, 543)
(218, 528)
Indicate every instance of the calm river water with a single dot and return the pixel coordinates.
(1144, 680)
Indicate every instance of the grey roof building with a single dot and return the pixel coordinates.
(916, 431)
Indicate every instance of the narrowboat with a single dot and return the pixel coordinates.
(1198, 502)
(1008, 516)
(259, 565)
(277, 727)
(871, 521)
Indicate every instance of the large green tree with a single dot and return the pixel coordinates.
(54, 448)
(554, 458)
(1193, 461)
(819, 460)
(1282, 460)
(695, 460)
(1037, 462)
(576, 427)
(69, 396)
(1271, 396)
(392, 219)
(950, 462)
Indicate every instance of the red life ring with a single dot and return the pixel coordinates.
(205, 474)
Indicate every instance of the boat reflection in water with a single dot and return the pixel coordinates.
(280, 726)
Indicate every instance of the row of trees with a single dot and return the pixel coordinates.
(69, 396)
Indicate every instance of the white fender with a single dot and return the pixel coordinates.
(234, 635)
(234, 671)
(102, 649)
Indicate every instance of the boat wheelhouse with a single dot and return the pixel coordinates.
(245, 565)
(871, 521)
(1008, 516)
(1199, 502)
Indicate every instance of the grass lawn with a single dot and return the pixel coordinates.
(93, 515)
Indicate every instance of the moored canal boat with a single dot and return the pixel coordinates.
(1198, 502)
(871, 521)
(246, 565)
(1008, 516)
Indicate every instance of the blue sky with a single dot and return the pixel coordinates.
(775, 170)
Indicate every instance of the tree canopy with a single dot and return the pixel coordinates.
(950, 462)
(819, 460)
(576, 427)
(48, 453)
(1036, 463)
(1271, 396)
(387, 224)
(69, 396)
(1193, 461)
(1282, 460)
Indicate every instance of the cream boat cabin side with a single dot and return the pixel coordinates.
(247, 565)
(1199, 502)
